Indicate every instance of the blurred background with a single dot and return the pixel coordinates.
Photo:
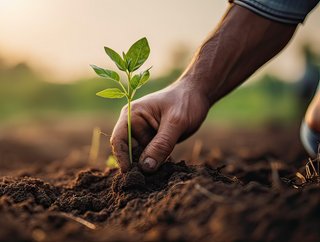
(47, 89)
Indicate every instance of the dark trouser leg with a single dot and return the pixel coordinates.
(310, 140)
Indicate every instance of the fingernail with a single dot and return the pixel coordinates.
(149, 163)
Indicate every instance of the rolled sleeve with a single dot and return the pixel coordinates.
(284, 11)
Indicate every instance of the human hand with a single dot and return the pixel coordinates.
(159, 120)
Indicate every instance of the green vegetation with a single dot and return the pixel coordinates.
(25, 95)
(263, 101)
(128, 63)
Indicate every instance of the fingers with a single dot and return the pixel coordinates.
(160, 147)
(119, 143)
(142, 134)
(142, 131)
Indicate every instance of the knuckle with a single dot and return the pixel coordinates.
(114, 139)
(118, 145)
(124, 109)
(164, 143)
(134, 105)
(137, 109)
(177, 120)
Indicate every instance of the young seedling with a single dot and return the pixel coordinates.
(130, 62)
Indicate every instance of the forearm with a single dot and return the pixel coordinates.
(241, 44)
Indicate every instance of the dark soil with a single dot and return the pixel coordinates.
(229, 198)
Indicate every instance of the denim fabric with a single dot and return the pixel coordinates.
(310, 140)
(284, 11)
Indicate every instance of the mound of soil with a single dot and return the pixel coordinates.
(178, 203)
(242, 192)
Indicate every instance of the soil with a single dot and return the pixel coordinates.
(244, 190)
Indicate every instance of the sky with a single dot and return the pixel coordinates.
(61, 38)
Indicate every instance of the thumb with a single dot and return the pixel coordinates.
(160, 147)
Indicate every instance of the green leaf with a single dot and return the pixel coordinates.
(137, 54)
(139, 80)
(111, 75)
(111, 93)
(144, 78)
(116, 58)
(125, 60)
(124, 56)
(134, 82)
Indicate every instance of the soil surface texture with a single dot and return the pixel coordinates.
(243, 190)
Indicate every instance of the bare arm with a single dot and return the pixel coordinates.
(241, 44)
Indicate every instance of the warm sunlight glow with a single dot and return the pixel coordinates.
(61, 38)
(8, 3)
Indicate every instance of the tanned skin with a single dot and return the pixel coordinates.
(242, 43)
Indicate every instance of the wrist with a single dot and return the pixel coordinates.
(199, 86)
(195, 89)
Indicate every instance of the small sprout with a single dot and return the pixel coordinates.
(131, 61)
(276, 182)
(95, 145)
(315, 173)
(79, 220)
(301, 177)
(111, 162)
(311, 173)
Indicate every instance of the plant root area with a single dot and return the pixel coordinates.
(241, 190)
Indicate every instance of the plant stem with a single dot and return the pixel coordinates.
(129, 131)
(123, 88)
(129, 97)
